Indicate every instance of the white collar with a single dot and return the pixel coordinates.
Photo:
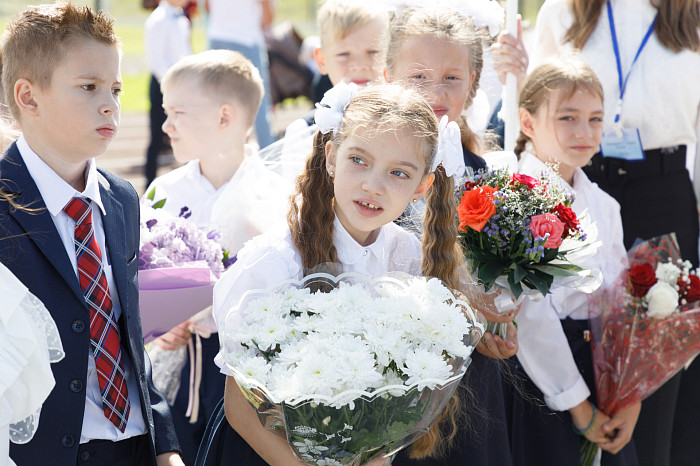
(350, 251)
(55, 191)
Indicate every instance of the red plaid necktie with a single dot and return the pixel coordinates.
(104, 335)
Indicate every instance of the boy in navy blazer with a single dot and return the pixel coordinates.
(75, 241)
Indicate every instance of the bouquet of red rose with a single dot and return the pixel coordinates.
(647, 327)
(519, 233)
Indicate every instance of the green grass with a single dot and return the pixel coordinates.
(135, 96)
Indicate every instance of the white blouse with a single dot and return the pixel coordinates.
(543, 348)
(662, 98)
(271, 258)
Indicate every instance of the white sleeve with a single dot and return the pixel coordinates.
(549, 31)
(546, 357)
(261, 264)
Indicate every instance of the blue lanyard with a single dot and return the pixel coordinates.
(623, 82)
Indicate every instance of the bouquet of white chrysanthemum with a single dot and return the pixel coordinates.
(360, 370)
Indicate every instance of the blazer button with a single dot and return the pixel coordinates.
(84, 456)
(78, 326)
(68, 441)
(76, 386)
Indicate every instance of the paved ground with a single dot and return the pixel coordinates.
(127, 153)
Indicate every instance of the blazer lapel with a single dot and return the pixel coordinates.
(115, 237)
(38, 226)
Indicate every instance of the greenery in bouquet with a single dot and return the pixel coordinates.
(354, 369)
(170, 241)
(518, 227)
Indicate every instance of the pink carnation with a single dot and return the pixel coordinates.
(548, 223)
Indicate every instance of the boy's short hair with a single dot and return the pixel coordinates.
(37, 39)
(224, 75)
(337, 19)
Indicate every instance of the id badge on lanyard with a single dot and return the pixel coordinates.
(623, 143)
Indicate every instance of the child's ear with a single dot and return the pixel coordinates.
(424, 185)
(331, 153)
(527, 123)
(320, 60)
(227, 115)
(24, 96)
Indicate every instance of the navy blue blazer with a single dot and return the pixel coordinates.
(32, 249)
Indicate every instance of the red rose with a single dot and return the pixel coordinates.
(476, 208)
(640, 278)
(548, 223)
(690, 291)
(568, 216)
(528, 181)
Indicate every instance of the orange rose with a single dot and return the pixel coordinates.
(476, 208)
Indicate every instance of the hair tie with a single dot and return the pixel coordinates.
(449, 152)
(329, 112)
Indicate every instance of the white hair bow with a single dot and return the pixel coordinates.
(449, 152)
(329, 112)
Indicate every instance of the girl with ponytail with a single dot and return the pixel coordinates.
(375, 153)
(561, 121)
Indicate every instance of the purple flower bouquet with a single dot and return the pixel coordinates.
(178, 266)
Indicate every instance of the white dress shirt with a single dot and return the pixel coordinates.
(187, 187)
(237, 21)
(662, 98)
(166, 38)
(271, 258)
(56, 193)
(543, 348)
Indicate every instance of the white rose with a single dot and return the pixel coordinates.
(662, 299)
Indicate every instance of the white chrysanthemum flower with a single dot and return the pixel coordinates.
(662, 299)
(358, 370)
(255, 368)
(422, 365)
(392, 378)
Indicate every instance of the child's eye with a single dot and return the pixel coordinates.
(597, 119)
(452, 78)
(399, 173)
(566, 118)
(88, 87)
(373, 52)
(343, 54)
(117, 91)
(357, 160)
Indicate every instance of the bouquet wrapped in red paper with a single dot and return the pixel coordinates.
(646, 328)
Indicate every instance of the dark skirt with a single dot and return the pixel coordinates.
(540, 436)
(656, 197)
(483, 440)
(222, 446)
(211, 390)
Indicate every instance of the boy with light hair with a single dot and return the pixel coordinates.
(211, 100)
(77, 250)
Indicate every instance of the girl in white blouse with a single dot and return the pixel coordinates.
(561, 120)
(371, 158)
(647, 56)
